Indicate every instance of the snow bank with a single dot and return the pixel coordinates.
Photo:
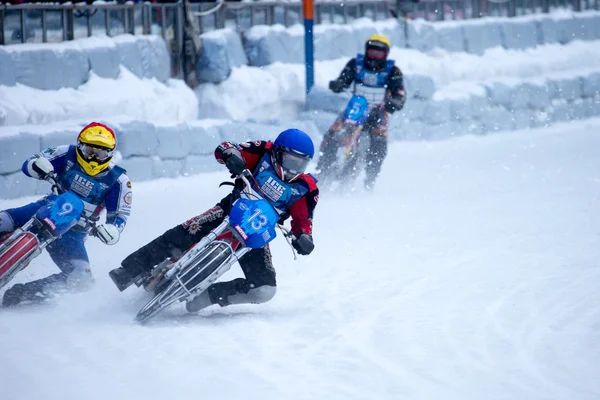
(146, 150)
(91, 78)
(222, 50)
(53, 66)
(153, 150)
(127, 95)
(276, 91)
(268, 44)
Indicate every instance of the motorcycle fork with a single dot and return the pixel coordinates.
(353, 140)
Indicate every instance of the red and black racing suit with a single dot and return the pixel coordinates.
(257, 264)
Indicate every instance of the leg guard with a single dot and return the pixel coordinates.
(375, 156)
(6, 222)
(173, 242)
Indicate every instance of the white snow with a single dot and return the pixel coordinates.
(471, 272)
(279, 88)
(127, 96)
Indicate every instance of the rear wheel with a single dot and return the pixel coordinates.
(14, 254)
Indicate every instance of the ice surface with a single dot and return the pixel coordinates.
(471, 272)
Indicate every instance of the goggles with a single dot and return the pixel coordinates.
(292, 163)
(100, 154)
(376, 54)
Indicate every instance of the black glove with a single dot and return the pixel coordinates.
(392, 105)
(235, 163)
(336, 86)
(303, 244)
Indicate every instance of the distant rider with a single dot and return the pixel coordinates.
(381, 83)
(86, 170)
(278, 168)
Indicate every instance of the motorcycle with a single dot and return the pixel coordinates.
(340, 158)
(251, 224)
(61, 212)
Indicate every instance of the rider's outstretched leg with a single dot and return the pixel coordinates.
(172, 243)
(259, 285)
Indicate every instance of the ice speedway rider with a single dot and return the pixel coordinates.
(86, 170)
(287, 188)
(381, 83)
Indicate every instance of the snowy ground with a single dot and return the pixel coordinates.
(472, 272)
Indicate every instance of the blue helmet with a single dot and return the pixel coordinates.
(292, 151)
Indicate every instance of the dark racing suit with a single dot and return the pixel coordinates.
(384, 91)
(259, 283)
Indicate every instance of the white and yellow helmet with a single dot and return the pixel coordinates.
(96, 146)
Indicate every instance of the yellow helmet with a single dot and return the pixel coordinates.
(379, 38)
(377, 49)
(96, 146)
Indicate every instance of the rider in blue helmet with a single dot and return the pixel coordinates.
(279, 171)
(292, 151)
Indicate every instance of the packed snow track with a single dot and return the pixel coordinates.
(471, 272)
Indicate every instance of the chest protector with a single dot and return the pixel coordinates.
(280, 194)
(91, 190)
(370, 84)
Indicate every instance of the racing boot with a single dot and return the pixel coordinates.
(21, 292)
(13, 296)
(199, 302)
(123, 278)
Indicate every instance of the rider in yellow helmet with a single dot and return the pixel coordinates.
(86, 170)
(380, 81)
(96, 145)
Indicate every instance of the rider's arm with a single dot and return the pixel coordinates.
(56, 156)
(251, 151)
(395, 89)
(348, 74)
(118, 202)
(302, 212)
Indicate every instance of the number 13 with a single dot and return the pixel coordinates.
(257, 223)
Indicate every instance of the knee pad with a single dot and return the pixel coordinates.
(6, 222)
(80, 279)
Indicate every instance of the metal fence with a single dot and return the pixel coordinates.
(52, 22)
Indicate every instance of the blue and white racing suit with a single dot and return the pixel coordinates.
(110, 190)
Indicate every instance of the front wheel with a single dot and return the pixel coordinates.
(196, 277)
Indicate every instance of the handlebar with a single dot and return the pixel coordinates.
(90, 220)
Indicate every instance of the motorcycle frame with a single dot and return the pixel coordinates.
(43, 240)
(176, 275)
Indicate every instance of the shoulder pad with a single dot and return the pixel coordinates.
(310, 180)
(359, 60)
(389, 66)
(118, 171)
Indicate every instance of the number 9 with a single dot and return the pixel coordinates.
(66, 209)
